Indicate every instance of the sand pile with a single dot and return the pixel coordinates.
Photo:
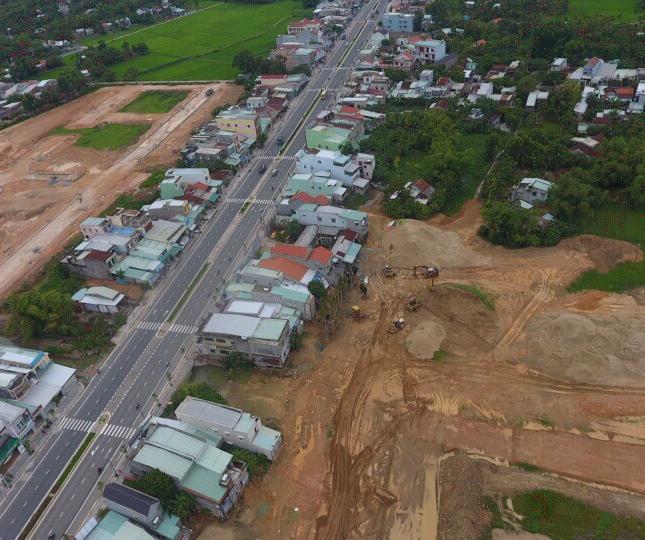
(591, 349)
(604, 253)
(425, 339)
(410, 242)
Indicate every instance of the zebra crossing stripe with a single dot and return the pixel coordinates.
(119, 432)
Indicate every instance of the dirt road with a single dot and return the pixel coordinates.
(48, 185)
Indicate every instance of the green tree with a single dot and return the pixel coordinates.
(184, 506)
(258, 464)
(195, 389)
(509, 225)
(317, 289)
(157, 484)
(570, 199)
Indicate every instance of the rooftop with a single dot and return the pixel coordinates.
(292, 269)
(18, 355)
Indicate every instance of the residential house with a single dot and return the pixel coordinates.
(559, 64)
(15, 420)
(92, 263)
(404, 60)
(313, 185)
(266, 310)
(421, 190)
(398, 22)
(638, 103)
(535, 98)
(92, 226)
(265, 341)
(191, 457)
(236, 427)
(326, 137)
(587, 146)
(429, 50)
(238, 120)
(330, 220)
(346, 169)
(345, 250)
(142, 509)
(313, 25)
(288, 294)
(100, 299)
(532, 190)
(318, 258)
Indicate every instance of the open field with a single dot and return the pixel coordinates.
(48, 184)
(623, 277)
(550, 379)
(104, 136)
(625, 9)
(201, 46)
(613, 220)
(155, 101)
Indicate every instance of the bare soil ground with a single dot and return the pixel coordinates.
(48, 185)
(547, 378)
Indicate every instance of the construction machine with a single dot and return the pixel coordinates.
(357, 313)
(397, 325)
(388, 271)
(413, 304)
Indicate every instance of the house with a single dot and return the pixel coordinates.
(15, 420)
(318, 258)
(142, 509)
(532, 190)
(345, 169)
(326, 137)
(404, 60)
(112, 526)
(345, 249)
(398, 22)
(587, 146)
(92, 263)
(266, 310)
(290, 270)
(265, 341)
(330, 220)
(638, 103)
(559, 64)
(236, 427)
(135, 269)
(535, 98)
(311, 188)
(30, 379)
(100, 299)
(191, 457)
(313, 25)
(287, 294)
(421, 191)
(92, 226)
(238, 120)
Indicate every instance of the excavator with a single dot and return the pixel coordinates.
(413, 304)
(357, 313)
(397, 325)
(419, 270)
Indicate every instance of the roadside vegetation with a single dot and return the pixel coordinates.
(155, 101)
(105, 136)
(201, 390)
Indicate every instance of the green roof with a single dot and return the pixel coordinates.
(355, 215)
(114, 526)
(215, 460)
(8, 447)
(169, 527)
(270, 329)
(164, 460)
(297, 296)
(203, 482)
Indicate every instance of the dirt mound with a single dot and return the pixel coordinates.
(603, 252)
(590, 349)
(425, 339)
(410, 242)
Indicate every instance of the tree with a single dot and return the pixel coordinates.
(157, 484)
(317, 289)
(184, 506)
(293, 229)
(257, 464)
(570, 199)
(509, 225)
(418, 21)
(396, 75)
(195, 389)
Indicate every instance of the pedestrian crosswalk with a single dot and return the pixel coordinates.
(177, 328)
(149, 325)
(250, 201)
(271, 157)
(182, 329)
(75, 424)
(120, 432)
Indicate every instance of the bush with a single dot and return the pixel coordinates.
(258, 464)
(199, 390)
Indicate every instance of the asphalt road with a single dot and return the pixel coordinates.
(139, 367)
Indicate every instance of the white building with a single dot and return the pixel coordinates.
(101, 299)
(398, 22)
(236, 427)
(532, 190)
(429, 50)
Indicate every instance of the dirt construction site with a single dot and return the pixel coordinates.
(48, 185)
(396, 435)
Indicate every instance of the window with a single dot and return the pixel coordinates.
(220, 340)
(319, 219)
(333, 220)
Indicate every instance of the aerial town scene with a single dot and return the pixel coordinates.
(322, 270)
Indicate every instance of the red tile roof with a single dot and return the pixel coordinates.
(310, 199)
(288, 267)
(421, 184)
(274, 76)
(290, 250)
(320, 254)
(626, 93)
(349, 234)
(222, 174)
(99, 255)
(200, 185)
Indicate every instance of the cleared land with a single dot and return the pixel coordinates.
(105, 136)
(625, 9)
(48, 184)
(201, 46)
(155, 101)
(547, 378)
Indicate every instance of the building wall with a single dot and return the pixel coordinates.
(242, 125)
(398, 22)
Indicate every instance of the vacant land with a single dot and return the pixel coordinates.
(613, 220)
(48, 184)
(547, 378)
(155, 101)
(625, 9)
(105, 136)
(201, 46)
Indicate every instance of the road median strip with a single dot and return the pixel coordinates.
(188, 291)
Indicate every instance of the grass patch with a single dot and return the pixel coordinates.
(244, 207)
(155, 178)
(623, 277)
(613, 220)
(201, 46)
(486, 299)
(187, 292)
(545, 421)
(155, 101)
(558, 516)
(355, 201)
(491, 505)
(130, 201)
(625, 9)
(105, 136)
(438, 355)
(72, 463)
(528, 467)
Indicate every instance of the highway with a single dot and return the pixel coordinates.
(138, 369)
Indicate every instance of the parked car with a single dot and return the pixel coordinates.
(263, 168)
